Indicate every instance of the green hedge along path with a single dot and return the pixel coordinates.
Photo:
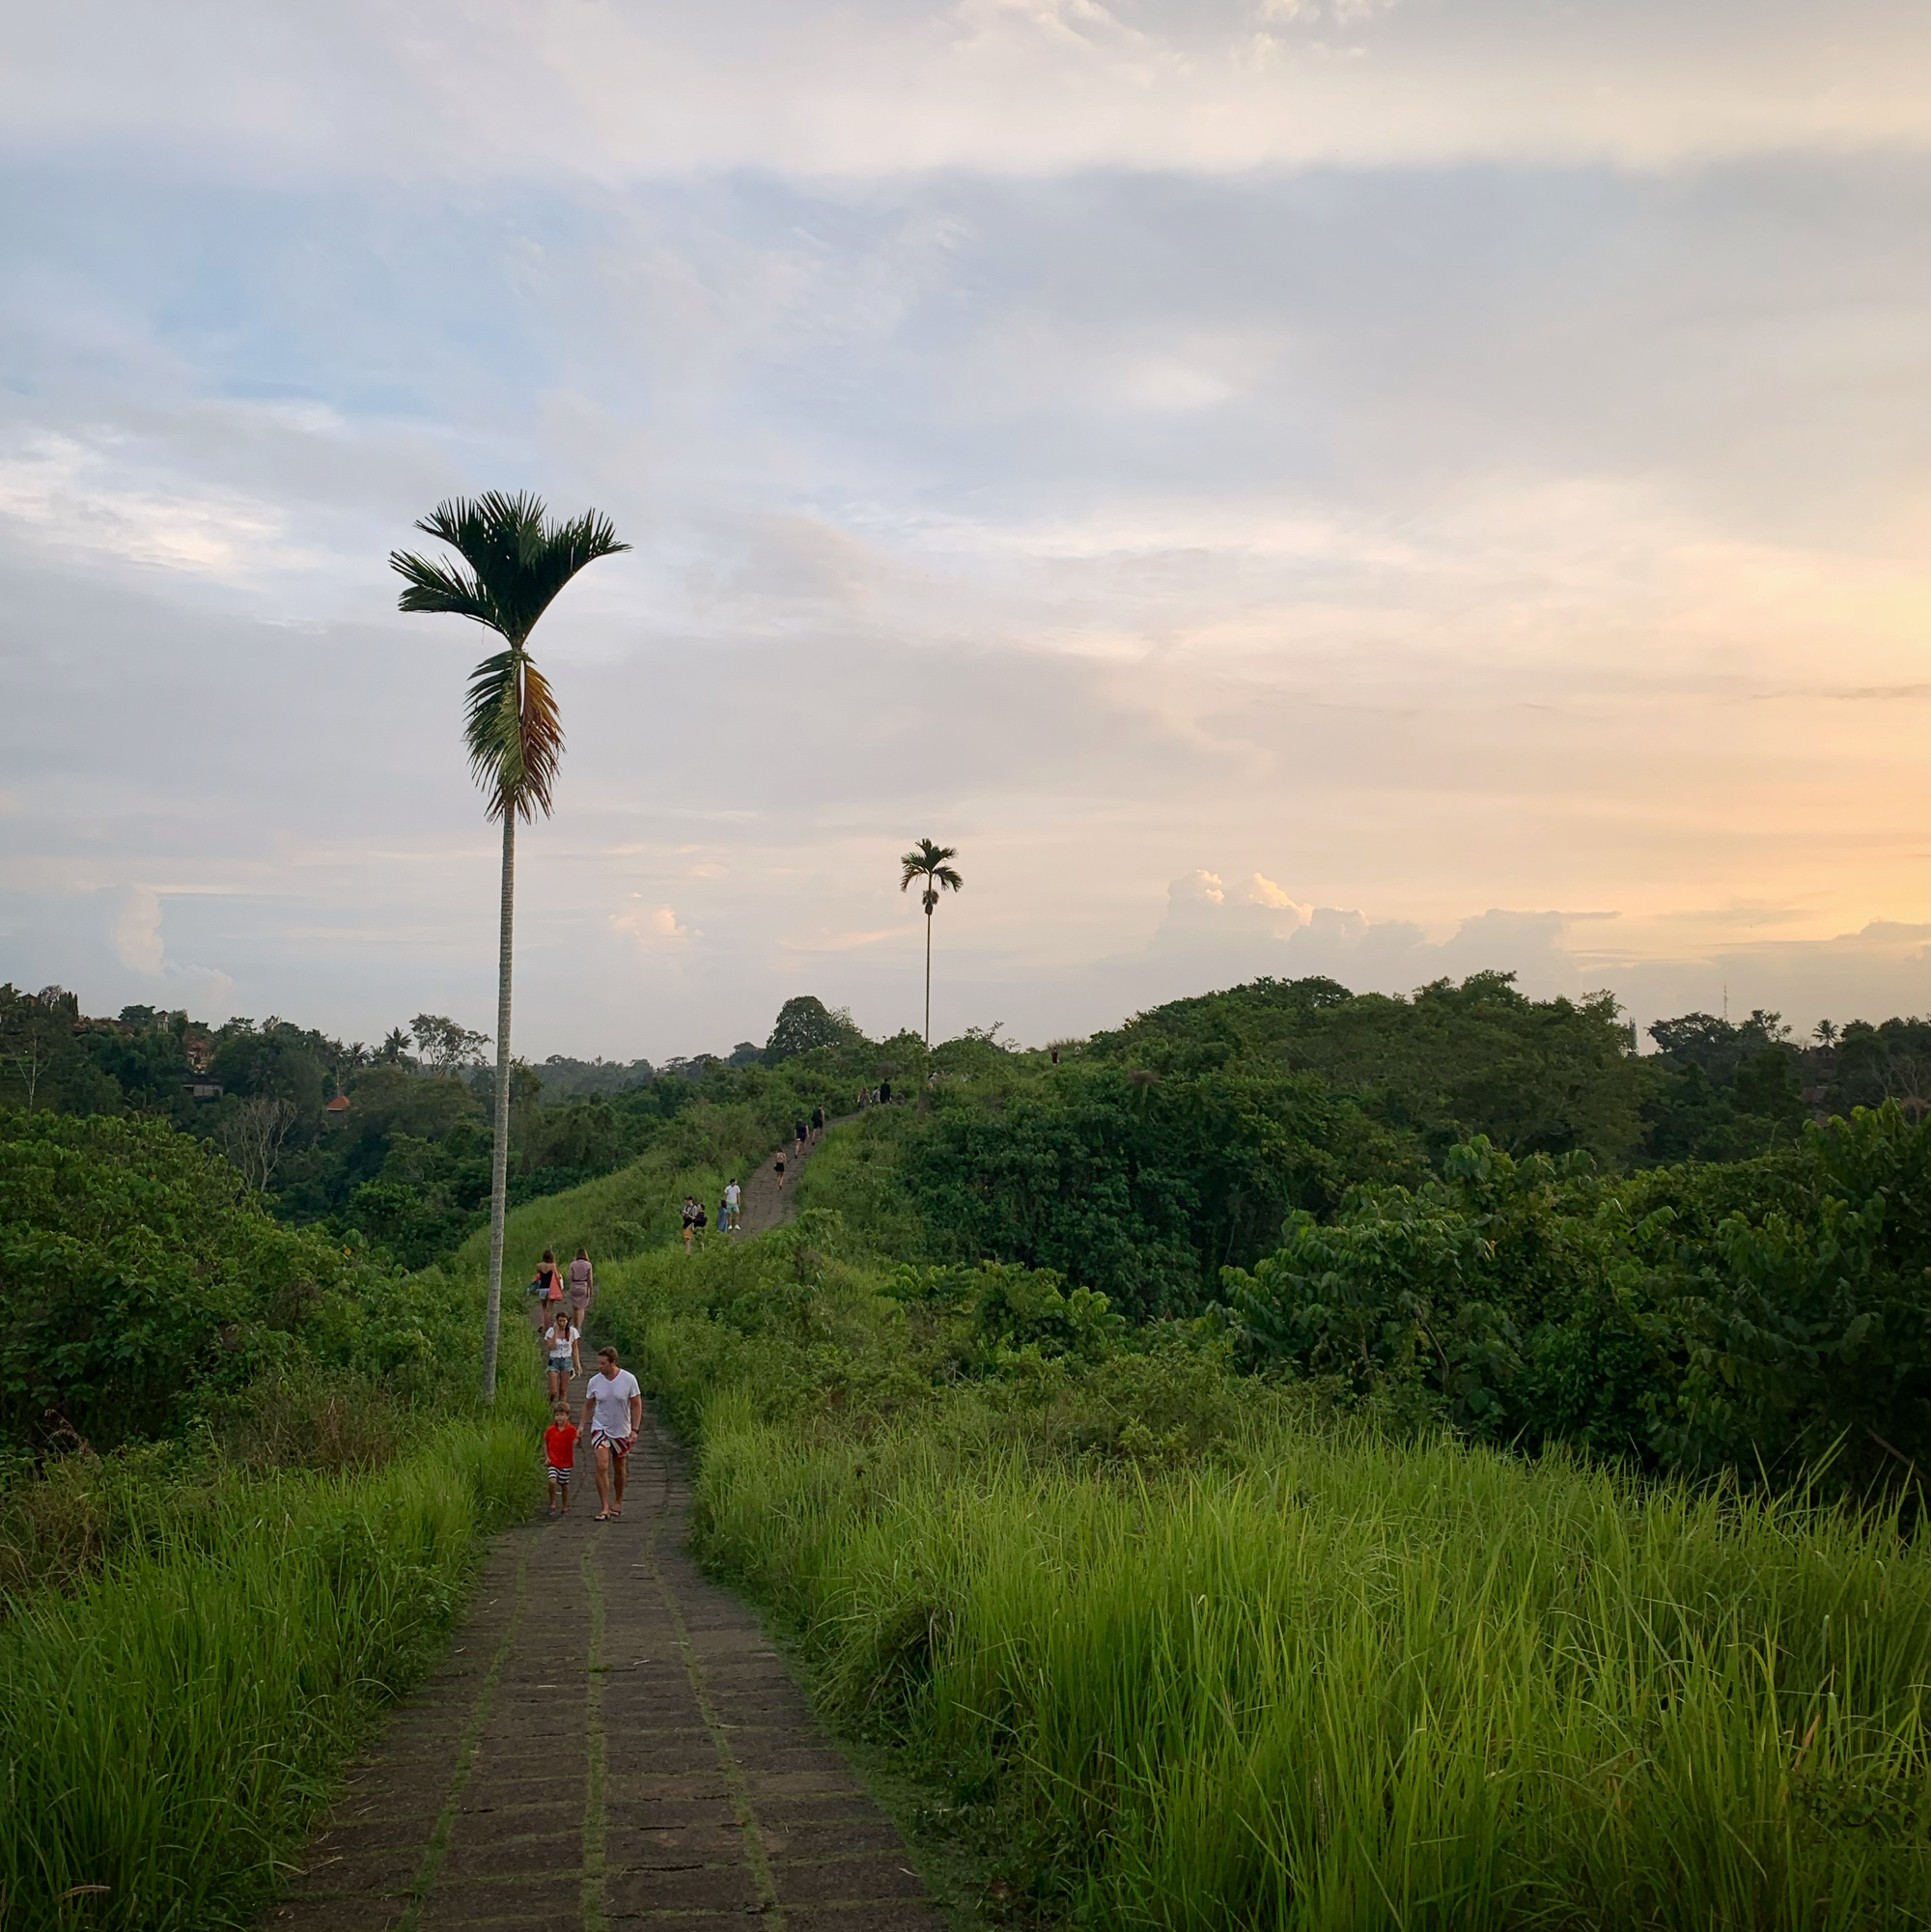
(610, 1738)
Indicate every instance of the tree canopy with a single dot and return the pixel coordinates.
(805, 1022)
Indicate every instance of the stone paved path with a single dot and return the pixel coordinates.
(609, 1741)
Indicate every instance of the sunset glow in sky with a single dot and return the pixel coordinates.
(1376, 487)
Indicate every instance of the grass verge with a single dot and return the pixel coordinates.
(1184, 1654)
(197, 1632)
(168, 1727)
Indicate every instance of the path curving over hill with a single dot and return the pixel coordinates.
(765, 1207)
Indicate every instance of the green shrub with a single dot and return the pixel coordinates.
(140, 1278)
(1773, 1318)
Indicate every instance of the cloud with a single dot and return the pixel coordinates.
(1113, 440)
(652, 927)
(607, 92)
(137, 932)
(70, 499)
(1202, 910)
(1213, 934)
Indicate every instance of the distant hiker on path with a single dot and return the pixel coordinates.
(733, 1197)
(564, 1364)
(546, 1287)
(797, 1136)
(583, 1287)
(613, 1411)
(560, 1457)
(778, 1162)
(817, 1122)
(691, 1212)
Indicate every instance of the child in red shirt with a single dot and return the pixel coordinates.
(560, 1452)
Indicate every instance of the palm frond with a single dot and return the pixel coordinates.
(928, 861)
(519, 560)
(514, 733)
(436, 587)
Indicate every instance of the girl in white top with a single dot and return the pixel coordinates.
(560, 1341)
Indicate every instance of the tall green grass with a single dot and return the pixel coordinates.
(194, 1638)
(1348, 1684)
(167, 1728)
(1312, 1678)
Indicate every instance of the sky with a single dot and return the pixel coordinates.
(1380, 488)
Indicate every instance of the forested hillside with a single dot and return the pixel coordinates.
(1304, 1461)
(1299, 1459)
(387, 1147)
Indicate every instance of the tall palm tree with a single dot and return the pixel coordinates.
(518, 563)
(927, 861)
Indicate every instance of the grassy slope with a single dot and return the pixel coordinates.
(172, 1724)
(1297, 1676)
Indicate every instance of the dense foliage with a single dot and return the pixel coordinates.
(387, 1147)
(1444, 1210)
(1763, 1318)
(141, 1279)
(1144, 1162)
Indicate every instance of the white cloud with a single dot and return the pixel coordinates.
(588, 87)
(137, 932)
(652, 927)
(1008, 460)
(92, 504)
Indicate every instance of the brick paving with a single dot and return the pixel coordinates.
(611, 1741)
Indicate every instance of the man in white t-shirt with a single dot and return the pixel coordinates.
(733, 1194)
(613, 1411)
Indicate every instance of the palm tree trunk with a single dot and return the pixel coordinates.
(499, 1157)
(928, 968)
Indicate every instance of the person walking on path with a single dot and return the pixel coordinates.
(560, 1457)
(779, 1162)
(582, 1288)
(613, 1411)
(691, 1213)
(734, 1200)
(546, 1287)
(817, 1123)
(560, 1350)
(798, 1139)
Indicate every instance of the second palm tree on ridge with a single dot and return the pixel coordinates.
(928, 861)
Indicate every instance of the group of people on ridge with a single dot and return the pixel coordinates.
(613, 1412)
(731, 1208)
